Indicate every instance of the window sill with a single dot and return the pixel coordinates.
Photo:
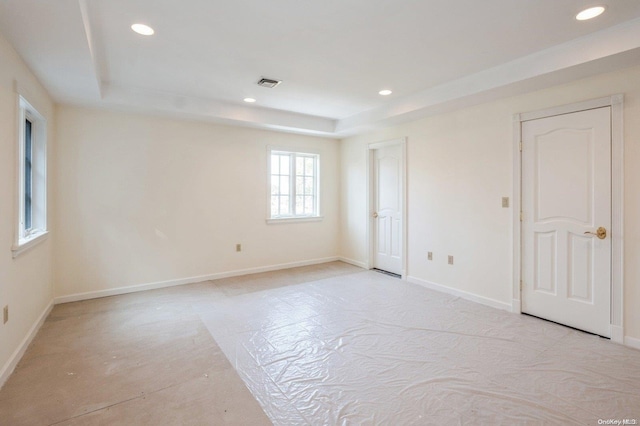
(283, 220)
(28, 243)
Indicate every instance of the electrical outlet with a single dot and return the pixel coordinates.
(238, 247)
(505, 202)
(5, 314)
(450, 260)
(430, 255)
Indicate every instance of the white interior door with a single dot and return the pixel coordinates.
(387, 194)
(566, 197)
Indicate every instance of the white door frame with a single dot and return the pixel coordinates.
(616, 102)
(370, 200)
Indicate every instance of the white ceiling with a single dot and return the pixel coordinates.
(332, 55)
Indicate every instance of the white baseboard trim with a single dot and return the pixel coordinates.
(516, 306)
(15, 358)
(460, 293)
(190, 280)
(617, 334)
(363, 265)
(632, 342)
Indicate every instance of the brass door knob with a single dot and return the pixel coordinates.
(375, 215)
(600, 233)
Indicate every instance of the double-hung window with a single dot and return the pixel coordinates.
(32, 178)
(294, 183)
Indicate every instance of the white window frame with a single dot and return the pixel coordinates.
(28, 238)
(316, 216)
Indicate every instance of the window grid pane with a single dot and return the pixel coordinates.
(275, 185)
(299, 165)
(299, 184)
(284, 165)
(308, 186)
(284, 205)
(308, 166)
(284, 185)
(308, 204)
(299, 203)
(275, 164)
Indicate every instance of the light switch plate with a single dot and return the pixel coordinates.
(505, 202)
(430, 255)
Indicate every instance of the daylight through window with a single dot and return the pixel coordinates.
(32, 187)
(294, 184)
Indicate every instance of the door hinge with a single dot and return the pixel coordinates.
(521, 285)
(520, 146)
(521, 216)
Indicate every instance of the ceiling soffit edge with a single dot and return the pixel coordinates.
(500, 81)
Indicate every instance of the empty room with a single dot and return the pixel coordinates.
(355, 212)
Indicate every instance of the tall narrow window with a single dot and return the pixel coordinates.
(32, 185)
(28, 175)
(294, 184)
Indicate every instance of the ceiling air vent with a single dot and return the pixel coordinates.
(268, 82)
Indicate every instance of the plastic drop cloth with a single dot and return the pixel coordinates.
(370, 349)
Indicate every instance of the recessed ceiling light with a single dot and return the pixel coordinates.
(142, 29)
(249, 100)
(590, 13)
(385, 92)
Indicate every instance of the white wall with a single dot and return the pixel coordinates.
(143, 199)
(25, 282)
(459, 167)
(136, 199)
